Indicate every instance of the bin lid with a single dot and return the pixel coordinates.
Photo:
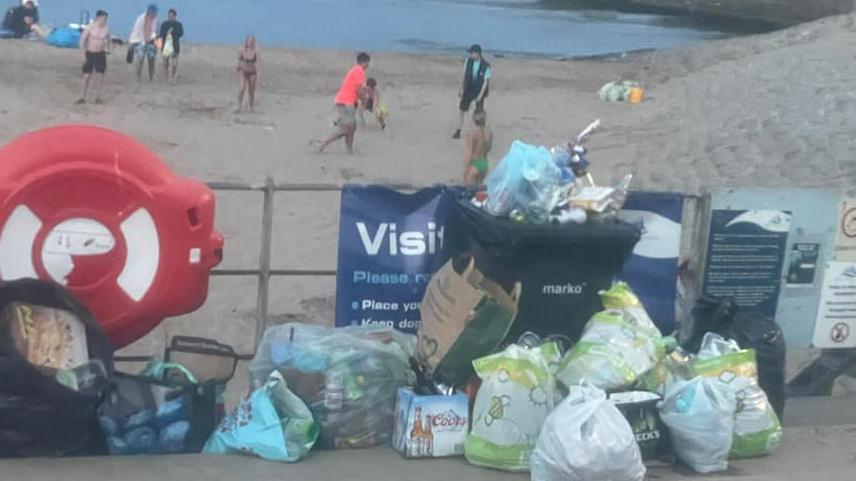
(487, 229)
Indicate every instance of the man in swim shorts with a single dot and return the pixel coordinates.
(94, 42)
(142, 38)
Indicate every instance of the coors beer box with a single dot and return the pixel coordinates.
(430, 426)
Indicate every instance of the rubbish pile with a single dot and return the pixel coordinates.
(598, 406)
(535, 185)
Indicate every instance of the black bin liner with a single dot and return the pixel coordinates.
(38, 415)
(752, 330)
(561, 267)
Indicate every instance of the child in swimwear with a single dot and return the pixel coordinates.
(479, 142)
(370, 100)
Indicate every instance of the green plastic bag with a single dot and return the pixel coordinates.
(516, 395)
(617, 346)
(272, 423)
(757, 429)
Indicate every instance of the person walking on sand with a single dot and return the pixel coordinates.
(479, 142)
(171, 32)
(248, 72)
(475, 86)
(346, 104)
(142, 38)
(95, 41)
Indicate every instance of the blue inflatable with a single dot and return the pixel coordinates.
(64, 37)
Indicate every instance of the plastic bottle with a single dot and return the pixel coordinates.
(334, 391)
(561, 156)
(173, 438)
(141, 440)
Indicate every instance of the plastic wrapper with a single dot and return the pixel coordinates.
(349, 377)
(617, 346)
(700, 416)
(272, 423)
(757, 430)
(516, 395)
(527, 180)
(586, 438)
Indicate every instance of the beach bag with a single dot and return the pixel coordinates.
(168, 48)
(40, 414)
(757, 430)
(64, 37)
(156, 413)
(271, 423)
(617, 346)
(515, 397)
(129, 57)
(700, 416)
(586, 438)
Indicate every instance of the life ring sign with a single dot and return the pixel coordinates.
(98, 212)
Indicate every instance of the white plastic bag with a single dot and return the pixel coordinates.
(513, 401)
(617, 346)
(700, 417)
(757, 429)
(586, 438)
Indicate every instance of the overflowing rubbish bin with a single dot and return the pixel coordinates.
(561, 267)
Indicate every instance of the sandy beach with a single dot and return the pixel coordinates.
(777, 110)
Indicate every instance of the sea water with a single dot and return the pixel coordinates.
(554, 28)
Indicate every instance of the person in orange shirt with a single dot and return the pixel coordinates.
(346, 104)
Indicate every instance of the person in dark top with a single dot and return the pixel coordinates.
(171, 32)
(476, 85)
(25, 20)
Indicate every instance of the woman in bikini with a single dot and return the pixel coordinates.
(479, 143)
(248, 72)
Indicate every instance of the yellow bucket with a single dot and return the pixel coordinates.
(636, 95)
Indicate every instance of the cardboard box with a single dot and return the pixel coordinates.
(465, 316)
(430, 426)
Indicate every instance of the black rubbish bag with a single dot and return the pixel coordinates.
(145, 416)
(751, 330)
(561, 267)
(40, 416)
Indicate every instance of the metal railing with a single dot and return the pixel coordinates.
(264, 272)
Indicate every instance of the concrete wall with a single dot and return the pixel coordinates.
(784, 12)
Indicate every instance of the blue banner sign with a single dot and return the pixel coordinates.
(390, 243)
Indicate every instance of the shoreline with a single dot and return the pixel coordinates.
(781, 13)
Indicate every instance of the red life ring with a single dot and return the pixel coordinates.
(98, 212)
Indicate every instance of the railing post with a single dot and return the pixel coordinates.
(264, 261)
